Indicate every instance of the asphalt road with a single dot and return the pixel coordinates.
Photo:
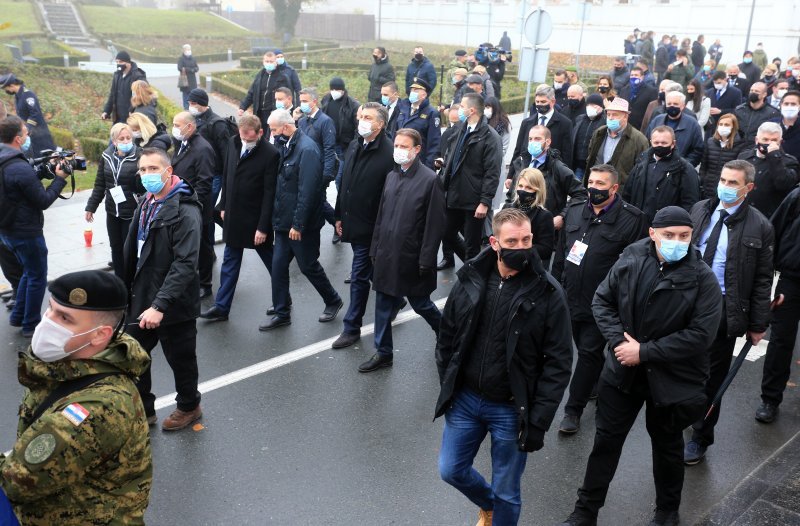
(313, 441)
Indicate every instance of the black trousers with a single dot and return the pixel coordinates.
(472, 228)
(206, 257)
(179, 343)
(721, 354)
(616, 413)
(590, 343)
(10, 266)
(783, 335)
(117, 232)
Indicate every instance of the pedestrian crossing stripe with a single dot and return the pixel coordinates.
(756, 352)
(75, 413)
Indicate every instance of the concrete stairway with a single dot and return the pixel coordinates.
(63, 21)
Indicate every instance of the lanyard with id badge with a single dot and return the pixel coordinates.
(578, 251)
(116, 192)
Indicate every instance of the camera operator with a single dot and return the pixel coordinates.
(23, 200)
(494, 60)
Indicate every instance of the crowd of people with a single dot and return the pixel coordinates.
(643, 226)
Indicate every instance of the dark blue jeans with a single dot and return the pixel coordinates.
(185, 99)
(307, 253)
(229, 273)
(466, 424)
(361, 276)
(32, 253)
(385, 306)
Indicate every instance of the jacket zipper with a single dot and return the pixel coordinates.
(491, 324)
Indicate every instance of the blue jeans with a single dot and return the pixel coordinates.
(385, 306)
(466, 424)
(229, 273)
(32, 254)
(185, 97)
(307, 253)
(361, 276)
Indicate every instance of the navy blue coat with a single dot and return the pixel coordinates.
(424, 70)
(294, 80)
(426, 122)
(323, 130)
(300, 190)
(29, 110)
(731, 98)
(24, 188)
(688, 135)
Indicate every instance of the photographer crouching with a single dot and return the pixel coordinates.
(22, 199)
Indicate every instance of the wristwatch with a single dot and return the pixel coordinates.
(155, 308)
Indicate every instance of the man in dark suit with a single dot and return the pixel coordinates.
(737, 80)
(251, 174)
(560, 126)
(194, 162)
(639, 95)
(724, 97)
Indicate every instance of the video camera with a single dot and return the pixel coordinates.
(66, 159)
(490, 54)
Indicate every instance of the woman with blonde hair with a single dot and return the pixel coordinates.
(146, 134)
(118, 183)
(530, 198)
(725, 145)
(144, 100)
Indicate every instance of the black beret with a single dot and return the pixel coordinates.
(461, 53)
(672, 216)
(123, 56)
(198, 96)
(336, 83)
(422, 84)
(90, 290)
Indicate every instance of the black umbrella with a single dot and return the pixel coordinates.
(738, 363)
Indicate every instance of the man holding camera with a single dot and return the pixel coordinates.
(22, 200)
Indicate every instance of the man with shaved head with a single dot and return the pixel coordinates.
(755, 111)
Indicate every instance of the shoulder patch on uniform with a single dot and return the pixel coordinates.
(75, 413)
(437, 122)
(40, 448)
(631, 209)
(31, 101)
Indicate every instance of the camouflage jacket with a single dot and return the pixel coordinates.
(87, 459)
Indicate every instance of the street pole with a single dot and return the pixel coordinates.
(749, 26)
(380, 4)
(580, 39)
(466, 30)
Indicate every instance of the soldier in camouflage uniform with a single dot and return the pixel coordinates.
(82, 454)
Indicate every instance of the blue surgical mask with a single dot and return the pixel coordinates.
(27, 144)
(305, 107)
(153, 182)
(672, 250)
(281, 61)
(385, 100)
(747, 60)
(462, 116)
(125, 147)
(613, 124)
(535, 148)
(269, 67)
(413, 97)
(279, 105)
(706, 68)
(727, 194)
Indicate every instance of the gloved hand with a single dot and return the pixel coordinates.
(534, 441)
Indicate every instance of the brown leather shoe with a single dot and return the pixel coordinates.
(180, 419)
(484, 517)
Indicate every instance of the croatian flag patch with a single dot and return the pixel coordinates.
(75, 413)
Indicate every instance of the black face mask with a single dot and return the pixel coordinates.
(754, 97)
(542, 109)
(603, 89)
(515, 258)
(662, 97)
(376, 58)
(526, 197)
(574, 103)
(763, 148)
(121, 67)
(281, 140)
(662, 151)
(733, 77)
(597, 196)
(418, 57)
(673, 111)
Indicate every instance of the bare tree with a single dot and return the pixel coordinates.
(286, 14)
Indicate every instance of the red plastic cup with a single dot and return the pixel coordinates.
(87, 237)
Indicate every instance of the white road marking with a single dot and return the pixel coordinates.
(755, 353)
(280, 361)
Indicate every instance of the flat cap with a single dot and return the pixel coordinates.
(474, 79)
(90, 290)
(672, 216)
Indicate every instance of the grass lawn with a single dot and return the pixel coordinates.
(42, 47)
(168, 46)
(20, 18)
(156, 23)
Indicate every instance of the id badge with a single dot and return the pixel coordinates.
(118, 195)
(577, 252)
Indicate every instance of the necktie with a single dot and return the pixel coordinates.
(244, 154)
(719, 93)
(180, 150)
(713, 239)
(542, 119)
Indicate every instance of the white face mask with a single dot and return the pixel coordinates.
(488, 113)
(50, 338)
(780, 93)
(789, 112)
(136, 134)
(336, 94)
(720, 86)
(592, 112)
(558, 85)
(724, 131)
(194, 111)
(364, 128)
(402, 157)
(176, 132)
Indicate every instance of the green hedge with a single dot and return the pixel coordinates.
(167, 109)
(62, 137)
(208, 57)
(93, 148)
(226, 88)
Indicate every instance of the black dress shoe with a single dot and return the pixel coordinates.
(214, 314)
(397, 310)
(330, 312)
(767, 413)
(205, 292)
(345, 340)
(665, 518)
(376, 362)
(446, 264)
(271, 309)
(274, 323)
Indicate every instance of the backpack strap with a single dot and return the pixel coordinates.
(67, 388)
